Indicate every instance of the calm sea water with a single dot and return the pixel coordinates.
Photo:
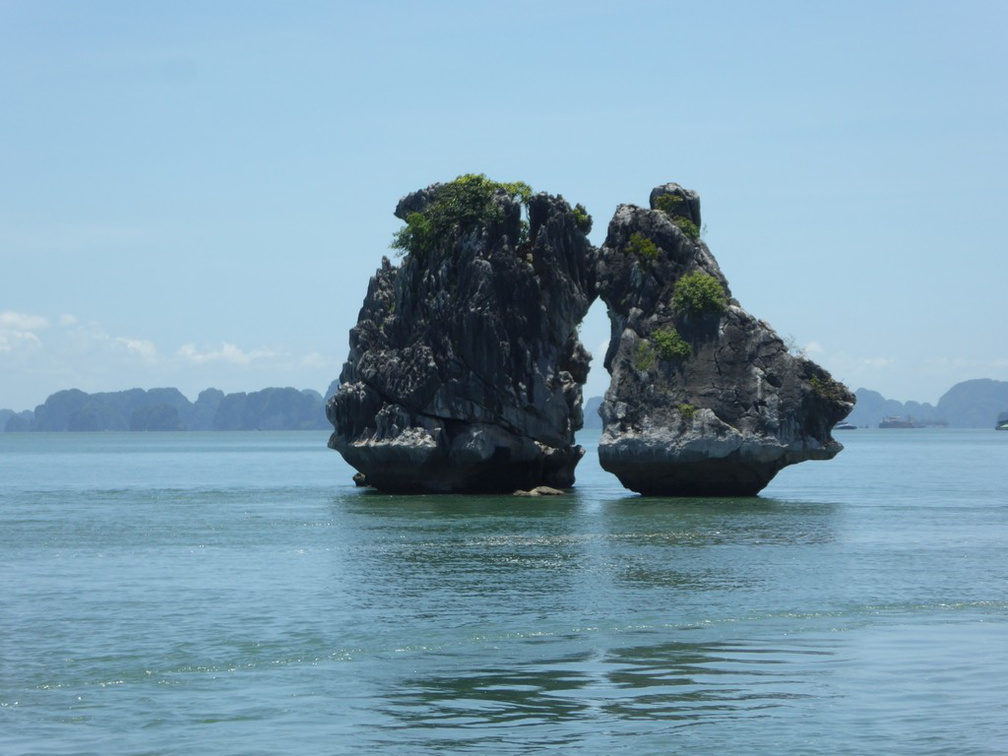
(235, 594)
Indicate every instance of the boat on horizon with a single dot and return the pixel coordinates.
(894, 421)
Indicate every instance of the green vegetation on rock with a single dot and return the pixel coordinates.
(670, 204)
(686, 411)
(826, 388)
(698, 293)
(456, 208)
(582, 218)
(642, 248)
(644, 357)
(670, 344)
(687, 226)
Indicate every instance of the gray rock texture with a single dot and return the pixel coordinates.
(465, 371)
(722, 407)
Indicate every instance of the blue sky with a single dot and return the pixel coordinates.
(195, 194)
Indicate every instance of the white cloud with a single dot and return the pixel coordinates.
(140, 347)
(226, 352)
(858, 369)
(18, 330)
(22, 321)
(40, 355)
(90, 337)
(316, 360)
(877, 363)
(13, 340)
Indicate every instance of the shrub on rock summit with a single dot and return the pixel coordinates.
(455, 208)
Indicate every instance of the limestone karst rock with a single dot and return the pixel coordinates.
(465, 371)
(704, 398)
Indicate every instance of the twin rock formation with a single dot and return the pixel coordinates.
(465, 370)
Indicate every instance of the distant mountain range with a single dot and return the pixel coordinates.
(971, 404)
(978, 403)
(167, 409)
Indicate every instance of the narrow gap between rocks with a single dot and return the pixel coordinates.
(594, 334)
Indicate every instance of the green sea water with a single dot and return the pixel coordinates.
(221, 593)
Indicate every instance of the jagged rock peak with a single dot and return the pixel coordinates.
(465, 371)
(704, 398)
(677, 202)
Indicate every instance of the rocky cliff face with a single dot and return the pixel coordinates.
(465, 372)
(705, 399)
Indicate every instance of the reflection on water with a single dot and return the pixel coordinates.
(679, 684)
(443, 563)
(591, 557)
(551, 591)
(813, 691)
(240, 603)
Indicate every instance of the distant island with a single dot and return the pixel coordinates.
(977, 403)
(167, 409)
